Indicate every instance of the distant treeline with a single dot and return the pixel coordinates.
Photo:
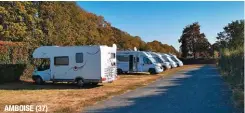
(65, 24)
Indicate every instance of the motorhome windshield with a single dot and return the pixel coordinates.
(42, 64)
(174, 59)
(165, 58)
(152, 59)
(157, 59)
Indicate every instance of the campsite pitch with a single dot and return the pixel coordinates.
(66, 98)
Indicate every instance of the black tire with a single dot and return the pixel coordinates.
(152, 71)
(119, 71)
(80, 83)
(164, 68)
(95, 83)
(38, 80)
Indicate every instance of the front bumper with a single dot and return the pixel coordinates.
(173, 65)
(168, 66)
(159, 69)
(180, 64)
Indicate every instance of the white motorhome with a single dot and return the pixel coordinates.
(174, 58)
(78, 64)
(167, 58)
(137, 61)
(165, 64)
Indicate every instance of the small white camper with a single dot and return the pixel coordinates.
(167, 58)
(79, 64)
(158, 58)
(174, 58)
(137, 61)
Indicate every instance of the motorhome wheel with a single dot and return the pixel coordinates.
(119, 71)
(152, 71)
(39, 80)
(80, 83)
(95, 83)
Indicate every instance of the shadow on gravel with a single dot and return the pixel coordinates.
(199, 90)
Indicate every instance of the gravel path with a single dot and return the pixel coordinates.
(199, 90)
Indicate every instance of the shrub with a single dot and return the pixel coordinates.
(14, 61)
(231, 65)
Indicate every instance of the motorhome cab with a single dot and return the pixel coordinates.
(167, 58)
(137, 61)
(79, 64)
(165, 64)
(174, 58)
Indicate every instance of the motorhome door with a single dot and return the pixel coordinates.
(61, 67)
(132, 63)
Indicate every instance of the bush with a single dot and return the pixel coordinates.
(14, 62)
(11, 72)
(231, 65)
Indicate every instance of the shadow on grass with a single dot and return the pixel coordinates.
(136, 73)
(28, 85)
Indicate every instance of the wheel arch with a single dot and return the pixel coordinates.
(35, 76)
(78, 78)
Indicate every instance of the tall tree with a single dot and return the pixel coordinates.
(232, 36)
(157, 46)
(193, 41)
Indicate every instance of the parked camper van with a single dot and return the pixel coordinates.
(167, 58)
(174, 58)
(165, 64)
(79, 64)
(137, 61)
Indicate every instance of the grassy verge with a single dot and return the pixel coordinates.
(231, 67)
(237, 91)
(66, 98)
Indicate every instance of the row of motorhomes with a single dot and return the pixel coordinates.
(143, 61)
(95, 64)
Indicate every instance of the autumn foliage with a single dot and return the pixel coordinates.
(35, 24)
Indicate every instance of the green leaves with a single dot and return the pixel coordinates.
(232, 36)
(64, 24)
(193, 42)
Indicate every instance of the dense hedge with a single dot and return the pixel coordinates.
(231, 65)
(11, 72)
(198, 61)
(14, 61)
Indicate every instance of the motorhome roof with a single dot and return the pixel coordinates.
(47, 51)
(128, 52)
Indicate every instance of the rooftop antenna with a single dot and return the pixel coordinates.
(135, 49)
(114, 45)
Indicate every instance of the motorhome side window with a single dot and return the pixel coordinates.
(79, 57)
(146, 61)
(121, 58)
(61, 60)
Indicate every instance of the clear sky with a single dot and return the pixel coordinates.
(164, 21)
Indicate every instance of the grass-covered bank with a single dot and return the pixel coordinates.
(231, 66)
